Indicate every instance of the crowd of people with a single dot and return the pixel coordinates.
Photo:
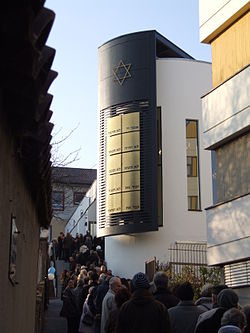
(95, 301)
(68, 246)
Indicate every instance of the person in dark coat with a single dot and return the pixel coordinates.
(67, 246)
(69, 309)
(162, 293)
(246, 310)
(142, 313)
(60, 254)
(79, 292)
(233, 320)
(210, 321)
(100, 293)
(184, 316)
(205, 300)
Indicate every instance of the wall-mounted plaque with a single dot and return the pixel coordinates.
(114, 126)
(114, 203)
(114, 164)
(130, 141)
(130, 201)
(131, 122)
(123, 163)
(13, 250)
(131, 181)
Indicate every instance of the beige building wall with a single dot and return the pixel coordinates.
(18, 302)
(231, 50)
(57, 225)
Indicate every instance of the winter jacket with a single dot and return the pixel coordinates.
(183, 317)
(142, 313)
(164, 296)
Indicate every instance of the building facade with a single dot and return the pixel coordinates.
(153, 176)
(69, 186)
(25, 167)
(84, 217)
(225, 25)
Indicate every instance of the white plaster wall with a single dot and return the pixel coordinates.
(226, 109)
(180, 84)
(84, 212)
(214, 13)
(78, 218)
(229, 231)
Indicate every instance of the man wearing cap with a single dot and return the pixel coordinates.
(210, 321)
(142, 313)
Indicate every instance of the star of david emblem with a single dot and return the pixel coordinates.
(121, 72)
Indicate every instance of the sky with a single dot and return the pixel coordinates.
(80, 27)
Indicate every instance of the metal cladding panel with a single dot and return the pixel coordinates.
(136, 50)
(127, 90)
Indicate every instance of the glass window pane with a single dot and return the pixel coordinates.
(58, 200)
(192, 154)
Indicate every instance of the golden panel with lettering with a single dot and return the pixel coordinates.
(130, 141)
(131, 122)
(130, 201)
(114, 125)
(114, 184)
(114, 203)
(114, 144)
(114, 164)
(131, 161)
(131, 181)
(123, 163)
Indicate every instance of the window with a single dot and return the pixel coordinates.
(58, 200)
(193, 203)
(191, 166)
(78, 196)
(192, 153)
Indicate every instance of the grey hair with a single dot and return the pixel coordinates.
(161, 280)
(113, 281)
(206, 290)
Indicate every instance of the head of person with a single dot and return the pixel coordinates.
(122, 296)
(115, 284)
(71, 284)
(246, 310)
(103, 269)
(228, 299)
(93, 276)
(140, 281)
(160, 280)
(91, 290)
(102, 278)
(185, 291)
(125, 283)
(235, 318)
(206, 290)
(216, 290)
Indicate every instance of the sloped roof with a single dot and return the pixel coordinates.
(26, 76)
(64, 175)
